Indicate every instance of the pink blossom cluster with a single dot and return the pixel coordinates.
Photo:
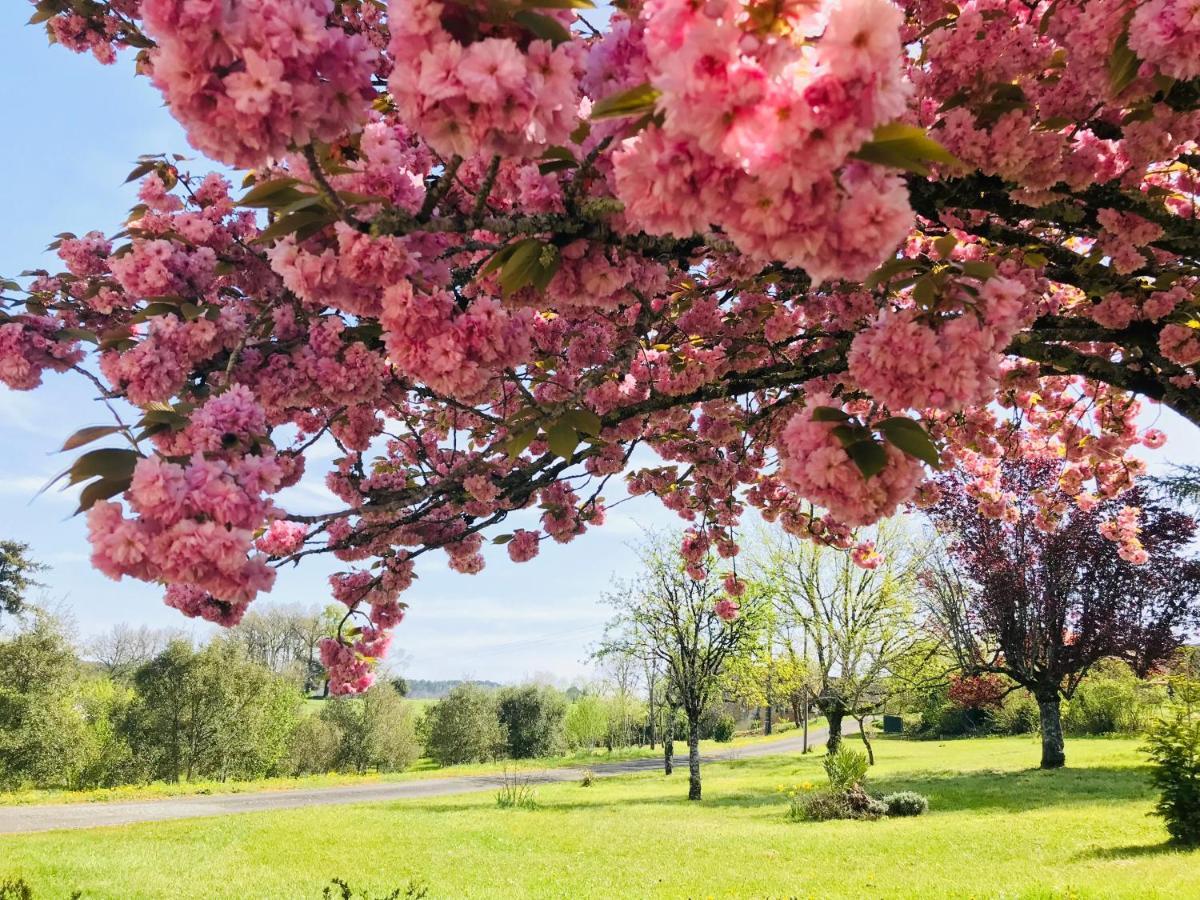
(349, 665)
(756, 123)
(912, 358)
(470, 86)
(31, 344)
(455, 351)
(816, 465)
(1124, 529)
(727, 609)
(252, 79)
(1167, 34)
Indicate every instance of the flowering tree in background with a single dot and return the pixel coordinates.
(802, 251)
(1042, 595)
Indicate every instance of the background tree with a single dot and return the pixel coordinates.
(374, 731)
(17, 569)
(211, 713)
(532, 716)
(668, 614)
(124, 648)
(1039, 595)
(464, 727)
(857, 621)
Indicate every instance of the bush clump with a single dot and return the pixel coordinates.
(723, 728)
(906, 803)
(1173, 744)
(845, 768)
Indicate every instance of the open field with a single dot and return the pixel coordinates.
(997, 828)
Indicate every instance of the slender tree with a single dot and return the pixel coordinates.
(673, 617)
(1038, 593)
(856, 613)
(17, 569)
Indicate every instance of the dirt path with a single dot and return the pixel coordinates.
(21, 819)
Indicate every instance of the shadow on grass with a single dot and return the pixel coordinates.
(1005, 791)
(1137, 851)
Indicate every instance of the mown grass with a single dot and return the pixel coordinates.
(997, 828)
(422, 768)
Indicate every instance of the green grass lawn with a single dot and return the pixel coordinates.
(996, 828)
(422, 768)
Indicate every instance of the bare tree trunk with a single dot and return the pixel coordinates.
(805, 747)
(767, 720)
(1053, 754)
(693, 755)
(862, 732)
(669, 742)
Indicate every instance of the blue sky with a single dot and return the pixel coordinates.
(73, 129)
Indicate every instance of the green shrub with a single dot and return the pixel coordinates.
(1108, 701)
(1173, 744)
(464, 727)
(845, 768)
(532, 717)
(377, 731)
(586, 723)
(825, 805)
(1018, 714)
(906, 803)
(723, 728)
(314, 746)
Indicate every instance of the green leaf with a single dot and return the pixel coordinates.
(635, 101)
(107, 462)
(296, 222)
(829, 414)
(517, 443)
(890, 270)
(87, 435)
(908, 436)
(906, 147)
(945, 245)
(101, 489)
(543, 26)
(502, 539)
(1123, 64)
(976, 268)
(267, 193)
(562, 439)
(519, 269)
(924, 292)
(585, 421)
(869, 456)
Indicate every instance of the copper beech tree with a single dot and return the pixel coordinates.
(804, 252)
(1041, 603)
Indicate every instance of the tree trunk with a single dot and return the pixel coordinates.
(805, 747)
(834, 718)
(669, 742)
(693, 755)
(1050, 709)
(862, 732)
(767, 720)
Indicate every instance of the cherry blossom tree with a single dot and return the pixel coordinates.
(804, 251)
(1041, 594)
